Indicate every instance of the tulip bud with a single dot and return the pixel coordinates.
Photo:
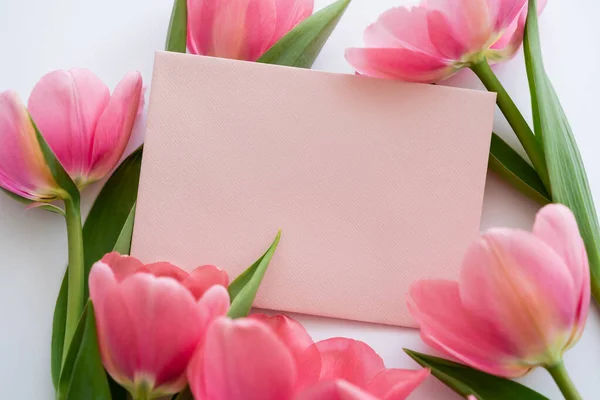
(86, 127)
(150, 319)
(23, 170)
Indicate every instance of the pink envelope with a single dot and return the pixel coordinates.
(374, 183)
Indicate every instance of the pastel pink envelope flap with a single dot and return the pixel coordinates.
(374, 183)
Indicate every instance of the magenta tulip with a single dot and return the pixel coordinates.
(241, 29)
(522, 299)
(86, 127)
(150, 319)
(273, 358)
(433, 41)
(23, 170)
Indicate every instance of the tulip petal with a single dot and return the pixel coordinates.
(396, 384)
(289, 14)
(148, 327)
(443, 38)
(512, 38)
(114, 127)
(200, 26)
(334, 390)
(23, 170)
(555, 224)
(401, 27)
(300, 344)
(202, 278)
(165, 270)
(66, 106)
(240, 358)
(404, 64)
(242, 29)
(470, 19)
(447, 326)
(350, 360)
(122, 266)
(504, 12)
(517, 283)
(214, 303)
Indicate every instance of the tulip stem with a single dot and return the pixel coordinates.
(563, 381)
(530, 142)
(74, 271)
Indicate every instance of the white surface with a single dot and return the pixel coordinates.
(111, 37)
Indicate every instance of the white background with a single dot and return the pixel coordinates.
(111, 37)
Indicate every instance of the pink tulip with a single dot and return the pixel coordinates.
(433, 41)
(241, 29)
(150, 318)
(522, 299)
(86, 127)
(23, 170)
(273, 358)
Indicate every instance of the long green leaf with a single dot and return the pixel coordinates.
(566, 169)
(177, 33)
(83, 376)
(59, 174)
(467, 381)
(123, 244)
(101, 231)
(301, 46)
(243, 289)
(507, 163)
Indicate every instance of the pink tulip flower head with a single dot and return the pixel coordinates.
(273, 358)
(86, 127)
(431, 42)
(241, 29)
(150, 318)
(23, 170)
(521, 301)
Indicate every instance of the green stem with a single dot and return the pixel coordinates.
(530, 143)
(74, 271)
(564, 383)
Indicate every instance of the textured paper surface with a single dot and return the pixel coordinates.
(374, 183)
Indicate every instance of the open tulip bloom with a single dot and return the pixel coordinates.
(521, 302)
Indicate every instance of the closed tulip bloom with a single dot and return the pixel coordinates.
(23, 170)
(433, 41)
(241, 29)
(273, 358)
(521, 301)
(150, 318)
(86, 127)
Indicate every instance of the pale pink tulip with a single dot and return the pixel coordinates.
(23, 170)
(86, 127)
(431, 42)
(241, 29)
(522, 299)
(275, 359)
(150, 318)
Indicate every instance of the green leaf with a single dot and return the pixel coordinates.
(83, 376)
(467, 381)
(104, 226)
(242, 290)
(301, 46)
(123, 244)
(566, 169)
(59, 174)
(177, 33)
(507, 163)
